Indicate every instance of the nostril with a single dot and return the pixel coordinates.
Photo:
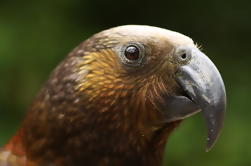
(184, 56)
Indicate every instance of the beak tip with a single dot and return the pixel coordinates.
(214, 116)
(208, 149)
(213, 135)
(210, 144)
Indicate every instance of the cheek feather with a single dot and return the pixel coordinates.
(102, 80)
(133, 94)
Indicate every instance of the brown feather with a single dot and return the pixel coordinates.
(93, 110)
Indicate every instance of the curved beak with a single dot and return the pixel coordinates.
(204, 86)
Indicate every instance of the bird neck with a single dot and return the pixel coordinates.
(69, 127)
(93, 137)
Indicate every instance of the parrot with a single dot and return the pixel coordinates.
(116, 98)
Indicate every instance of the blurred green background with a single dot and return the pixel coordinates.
(36, 35)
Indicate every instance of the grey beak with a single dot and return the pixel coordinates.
(204, 86)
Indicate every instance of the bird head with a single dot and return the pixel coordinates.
(129, 82)
(153, 74)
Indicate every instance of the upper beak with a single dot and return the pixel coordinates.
(203, 84)
(205, 91)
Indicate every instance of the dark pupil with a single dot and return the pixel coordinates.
(132, 53)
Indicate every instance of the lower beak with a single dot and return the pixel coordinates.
(205, 89)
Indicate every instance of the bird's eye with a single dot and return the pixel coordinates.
(132, 53)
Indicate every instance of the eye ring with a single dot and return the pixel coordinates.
(132, 54)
